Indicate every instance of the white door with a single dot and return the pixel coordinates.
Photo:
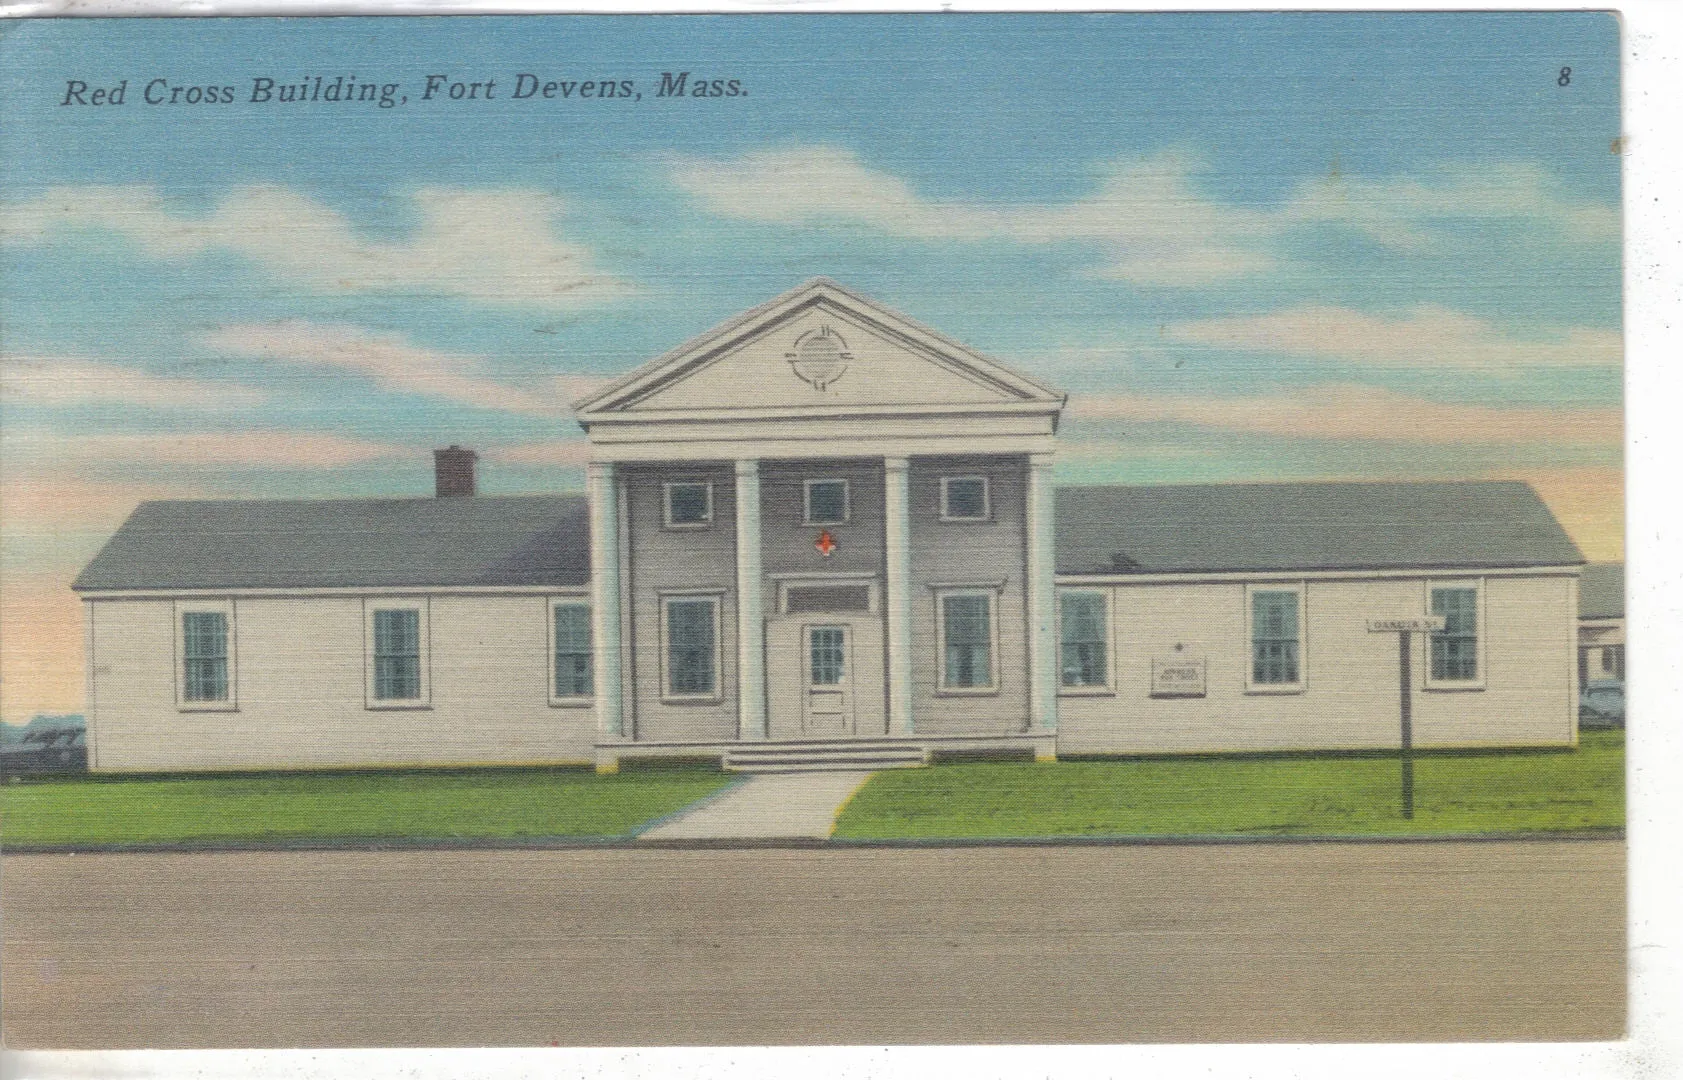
(829, 681)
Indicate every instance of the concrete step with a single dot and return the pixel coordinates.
(838, 754)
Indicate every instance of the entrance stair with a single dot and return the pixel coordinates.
(816, 755)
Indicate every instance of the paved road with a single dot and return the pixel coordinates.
(744, 946)
(767, 806)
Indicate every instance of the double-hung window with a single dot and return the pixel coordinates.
(1455, 648)
(573, 658)
(396, 641)
(967, 646)
(692, 647)
(1276, 634)
(204, 648)
(1084, 640)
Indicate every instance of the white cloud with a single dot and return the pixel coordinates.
(1147, 214)
(395, 364)
(201, 449)
(68, 380)
(1365, 414)
(494, 246)
(1426, 336)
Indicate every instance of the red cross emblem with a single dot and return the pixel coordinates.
(825, 543)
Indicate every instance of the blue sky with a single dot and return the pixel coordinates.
(1250, 246)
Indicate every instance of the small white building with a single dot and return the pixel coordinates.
(821, 533)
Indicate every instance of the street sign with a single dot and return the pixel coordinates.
(1408, 624)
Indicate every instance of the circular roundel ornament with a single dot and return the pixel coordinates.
(825, 543)
(820, 357)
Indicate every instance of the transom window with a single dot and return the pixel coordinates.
(204, 652)
(967, 641)
(964, 498)
(1455, 648)
(1276, 641)
(573, 658)
(826, 502)
(1084, 641)
(689, 504)
(692, 654)
(397, 654)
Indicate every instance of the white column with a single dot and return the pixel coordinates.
(1042, 597)
(604, 597)
(897, 596)
(750, 606)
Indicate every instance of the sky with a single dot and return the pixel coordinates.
(1250, 247)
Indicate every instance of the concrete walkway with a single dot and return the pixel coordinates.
(766, 806)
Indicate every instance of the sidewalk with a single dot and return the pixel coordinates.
(766, 806)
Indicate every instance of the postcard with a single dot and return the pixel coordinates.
(815, 529)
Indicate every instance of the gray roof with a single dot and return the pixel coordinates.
(545, 540)
(1601, 591)
(1306, 526)
(325, 543)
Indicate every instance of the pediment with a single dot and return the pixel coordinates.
(820, 348)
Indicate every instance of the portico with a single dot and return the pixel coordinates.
(858, 507)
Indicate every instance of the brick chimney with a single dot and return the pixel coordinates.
(453, 472)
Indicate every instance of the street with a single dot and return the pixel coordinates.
(1249, 942)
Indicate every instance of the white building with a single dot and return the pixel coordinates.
(823, 533)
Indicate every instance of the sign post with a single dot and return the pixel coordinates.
(1405, 628)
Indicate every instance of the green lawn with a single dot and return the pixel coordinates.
(416, 805)
(1458, 793)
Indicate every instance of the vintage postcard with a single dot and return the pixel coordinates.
(812, 529)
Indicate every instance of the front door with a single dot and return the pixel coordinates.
(829, 681)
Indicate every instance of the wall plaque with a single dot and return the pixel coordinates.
(1177, 678)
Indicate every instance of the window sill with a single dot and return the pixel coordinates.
(967, 691)
(1283, 688)
(964, 520)
(1086, 691)
(572, 702)
(691, 699)
(398, 706)
(682, 526)
(1453, 687)
(207, 706)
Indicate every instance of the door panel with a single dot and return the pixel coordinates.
(829, 681)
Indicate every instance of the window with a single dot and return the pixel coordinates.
(204, 656)
(570, 640)
(1276, 639)
(692, 647)
(1084, 641)
(828, 661)
(964, 498)
(689, 504)
(396, 639)
(1613, 661)
(1455, 648)
(397, 655)
(967, 641)
(205, 675)
(826, 502)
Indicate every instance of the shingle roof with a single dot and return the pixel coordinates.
(377, 543)
(545, 540)
(1601, 591)
(1306, 526)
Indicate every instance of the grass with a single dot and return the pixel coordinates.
(1467, 793)
(478, 804)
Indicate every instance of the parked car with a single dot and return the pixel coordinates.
(46, 749)
(1602, 704)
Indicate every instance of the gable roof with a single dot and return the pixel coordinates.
(358, 543)
(545, 540)
(1601, 591)
(708, 347)
(1306, 526)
